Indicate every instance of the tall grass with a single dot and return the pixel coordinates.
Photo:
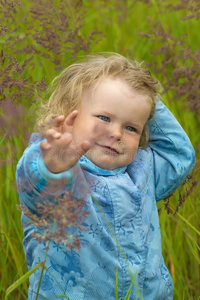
(36, 43)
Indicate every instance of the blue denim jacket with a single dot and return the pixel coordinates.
(123, 224)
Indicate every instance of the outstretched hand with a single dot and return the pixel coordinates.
(60, 151)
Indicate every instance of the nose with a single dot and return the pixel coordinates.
(116, 132)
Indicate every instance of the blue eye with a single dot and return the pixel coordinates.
(104, 118)
(130, 128)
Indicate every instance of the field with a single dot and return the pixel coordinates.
(38, 39)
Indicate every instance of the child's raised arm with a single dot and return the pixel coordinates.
(48, 168)
(174, 156)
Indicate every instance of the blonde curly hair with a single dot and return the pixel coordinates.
(77, 78)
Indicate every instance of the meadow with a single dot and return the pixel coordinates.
(38, 39)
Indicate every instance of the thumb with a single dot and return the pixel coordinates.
(83, 148)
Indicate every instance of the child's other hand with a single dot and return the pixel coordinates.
(60, 152)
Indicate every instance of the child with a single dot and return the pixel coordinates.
(95, 126)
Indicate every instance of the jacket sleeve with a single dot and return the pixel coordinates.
(173, 154)
(35, 183)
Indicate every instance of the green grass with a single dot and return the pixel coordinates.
(119, 27)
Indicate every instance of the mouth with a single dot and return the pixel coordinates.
(110, 149)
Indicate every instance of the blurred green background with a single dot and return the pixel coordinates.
(38, 39)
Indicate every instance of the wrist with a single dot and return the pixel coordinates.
(53, 174)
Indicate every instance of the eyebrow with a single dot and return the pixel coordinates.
(107, 113)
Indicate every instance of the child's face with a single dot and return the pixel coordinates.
(111, 117)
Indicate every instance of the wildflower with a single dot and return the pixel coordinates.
(61, 220)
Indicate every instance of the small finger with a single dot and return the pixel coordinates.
(69, 121)
(45, 146)
(58, 121)
(52, 134)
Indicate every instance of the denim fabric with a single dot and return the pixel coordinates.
(123, 224)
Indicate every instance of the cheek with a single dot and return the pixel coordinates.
(97, 130)
(132, 143)
(78, 132)
(131, 150)
(89, 131)
(130, 155)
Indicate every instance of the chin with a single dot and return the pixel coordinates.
(106, 166)
(103, 162)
